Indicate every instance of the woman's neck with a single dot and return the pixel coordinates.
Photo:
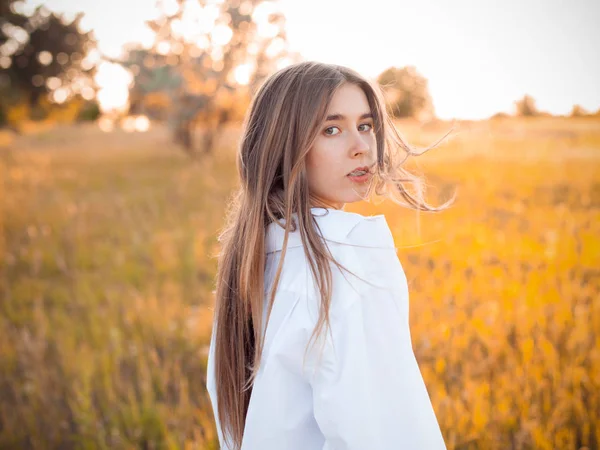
(317, 203)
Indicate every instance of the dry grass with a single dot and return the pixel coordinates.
(505, 285)
(108, 263)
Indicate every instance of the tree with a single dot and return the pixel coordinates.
(201, 53)
(499, 115)
(406, 92)
(578, 111)
(42, 54)
(156, 80)
(525, 107)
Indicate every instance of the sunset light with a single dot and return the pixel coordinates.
(474, 66)
(114, 81)
(148, 149)
(478, 58)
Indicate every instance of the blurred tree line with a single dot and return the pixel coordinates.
(199, 74)
(526, 106)
(43, 67)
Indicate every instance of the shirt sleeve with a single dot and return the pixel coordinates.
(368, 392)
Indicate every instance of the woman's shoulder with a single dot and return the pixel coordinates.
(363, 248)
(336, 227)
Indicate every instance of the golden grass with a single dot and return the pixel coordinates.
(108, 264)
(505, 285)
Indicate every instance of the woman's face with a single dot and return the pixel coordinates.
(346, 141)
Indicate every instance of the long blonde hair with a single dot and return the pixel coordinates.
(279, 130)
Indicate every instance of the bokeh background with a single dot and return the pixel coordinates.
(118, 129)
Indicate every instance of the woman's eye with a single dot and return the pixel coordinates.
(365, 127)
(332, 131)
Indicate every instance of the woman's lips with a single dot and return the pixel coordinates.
(360, 178)
(363, 168)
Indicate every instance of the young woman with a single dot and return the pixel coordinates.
(296, 270)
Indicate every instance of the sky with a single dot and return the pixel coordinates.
(478, 56)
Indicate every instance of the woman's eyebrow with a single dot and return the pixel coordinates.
(342, 117)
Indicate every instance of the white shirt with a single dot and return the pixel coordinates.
(367, 393)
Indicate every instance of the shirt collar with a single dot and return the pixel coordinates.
(335, 226)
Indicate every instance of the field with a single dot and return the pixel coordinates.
(108, 257)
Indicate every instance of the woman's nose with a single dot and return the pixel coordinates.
(360, 145)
